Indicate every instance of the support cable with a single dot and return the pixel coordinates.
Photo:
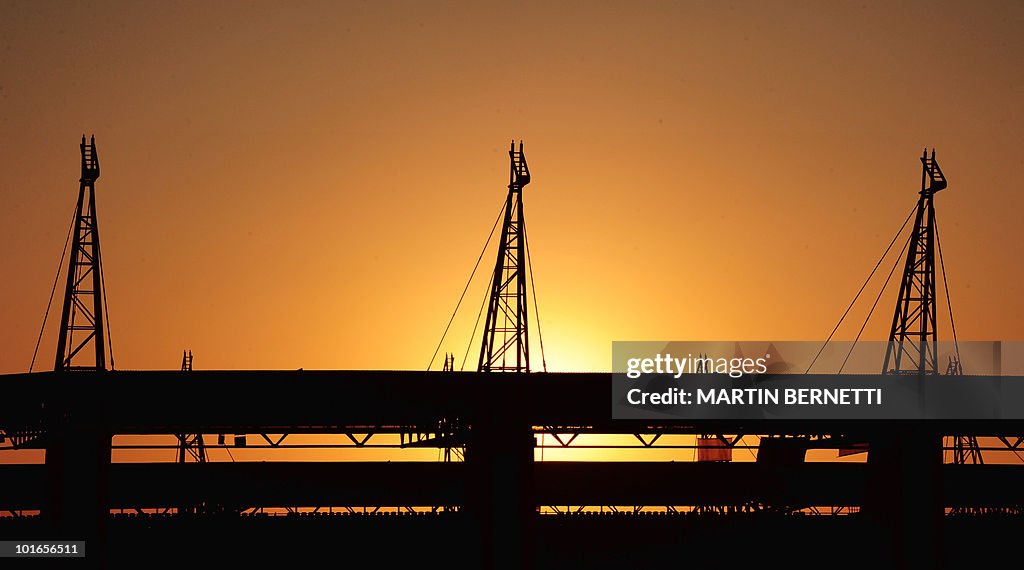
(466, 288)
(945, 285)
(536, 309)
(476, 324)
(857, 296)
(53, 290)
(106, 309)
(875, 304)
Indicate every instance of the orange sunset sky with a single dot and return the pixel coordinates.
(308, 184)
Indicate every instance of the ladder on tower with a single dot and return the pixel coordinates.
(937, 181)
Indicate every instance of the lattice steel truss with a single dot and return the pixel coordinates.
(81, 344)
(913, 344)
(505, 346)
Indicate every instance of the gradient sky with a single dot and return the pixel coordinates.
(308, 184)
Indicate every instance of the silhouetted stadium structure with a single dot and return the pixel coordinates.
(489, 503)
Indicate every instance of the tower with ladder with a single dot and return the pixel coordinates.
(913, 341)
(81, 343)
(505, 346)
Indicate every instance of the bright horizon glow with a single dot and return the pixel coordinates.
(309, 187)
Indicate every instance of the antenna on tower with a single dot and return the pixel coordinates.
(81, 343)
(505, 345)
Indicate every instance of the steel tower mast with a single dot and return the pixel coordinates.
(505, 346)
(81, 344)
(913, 338)
(913, 343)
